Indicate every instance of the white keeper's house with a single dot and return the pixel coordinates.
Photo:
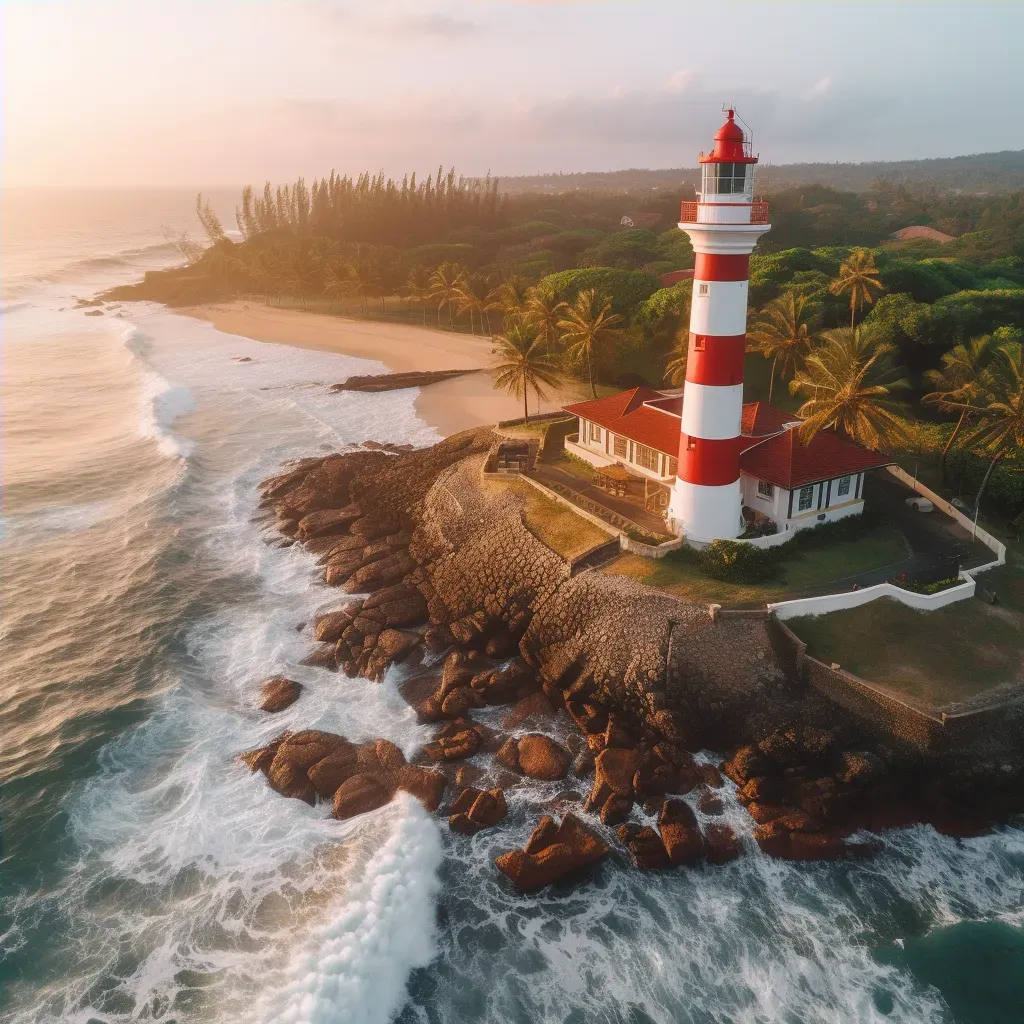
(791, 484)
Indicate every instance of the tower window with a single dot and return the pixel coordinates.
(698, 343)
(691, 444)
(702, 289)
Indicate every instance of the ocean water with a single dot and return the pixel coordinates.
(147, 876)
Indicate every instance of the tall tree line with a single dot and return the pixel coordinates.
(372, 208)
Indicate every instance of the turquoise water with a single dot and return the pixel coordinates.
(145, 876)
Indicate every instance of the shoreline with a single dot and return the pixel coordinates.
(449, 406)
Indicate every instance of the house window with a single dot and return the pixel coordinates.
(806, 498)
(619, 446)
(702, 289)
(673, 467)
(595, 432)
(844, 486)
(765, 489)
(645, 457)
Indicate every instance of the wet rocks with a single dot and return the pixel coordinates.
(279, 693)
(721, 844)
(359, 794)
(474, 810)
(552, 852)
(536, 756)
(456, 740)
(645, 846)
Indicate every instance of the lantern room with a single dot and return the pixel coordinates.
(728, 170)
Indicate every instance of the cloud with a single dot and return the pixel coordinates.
(434, 26)
(682, 80)
(819, 88)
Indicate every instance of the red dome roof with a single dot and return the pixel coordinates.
(729, 144)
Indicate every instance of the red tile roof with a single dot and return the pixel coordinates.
(627, 414)
(674, 277)
(786, 462)
(770, 452)
(760, 419)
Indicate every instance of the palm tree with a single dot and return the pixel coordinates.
(782, 333)
(959, 384)
(444, 288)
(675, 369)
(857, 275)
(585, 330)
(544, 311)
(417, 286)
(510, 294)
(848, 383)
(336, 283)
(474, 296)
(1001, 410)
(522, 365)
(301, 275)
(364, 280)
(262, 269)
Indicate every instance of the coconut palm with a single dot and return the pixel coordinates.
(511, 294)
(301, 275)
(960, 384)
(364, 281)
(473, 296)
(857, 275)
(782, 333)
(675, 368)
(848, 383)
(336, 283)
(1000, 409)
(544, 311)
(521, 364)
(444, 288)
(417, 287)
(585, 329)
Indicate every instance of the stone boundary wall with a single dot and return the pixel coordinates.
(995, 545)
(884, 711)
(612, 531)
(638, 547)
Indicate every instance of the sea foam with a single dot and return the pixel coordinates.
(356, 968)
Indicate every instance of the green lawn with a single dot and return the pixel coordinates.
(806, 569)
(936, 658)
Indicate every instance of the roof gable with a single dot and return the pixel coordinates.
(784, 460)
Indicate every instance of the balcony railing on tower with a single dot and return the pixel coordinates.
(723, 213)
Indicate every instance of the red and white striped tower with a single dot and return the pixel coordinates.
(724, 226)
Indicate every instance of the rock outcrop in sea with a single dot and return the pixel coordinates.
(446, 577)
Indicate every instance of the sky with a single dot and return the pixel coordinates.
(223, 92)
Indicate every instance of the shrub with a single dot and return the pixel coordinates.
(627, 289)
(736, 562)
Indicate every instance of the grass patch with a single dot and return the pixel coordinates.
(937, 657)
(551, 522)
(803, 569)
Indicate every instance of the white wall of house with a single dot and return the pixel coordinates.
(601, 447)
(822, 501)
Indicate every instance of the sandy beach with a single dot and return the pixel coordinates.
(448, 406)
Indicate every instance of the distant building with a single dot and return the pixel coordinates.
(920, 231)
(792, 484)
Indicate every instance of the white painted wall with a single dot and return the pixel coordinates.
(706, 513)
(710, 412)
(722, 310)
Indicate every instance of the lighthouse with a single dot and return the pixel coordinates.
(724, 226)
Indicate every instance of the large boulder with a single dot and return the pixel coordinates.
(721, 844)
(328, 774)
(680, 835)
(427, 786)
(359, 794)
(485, 810)
(645, 846)
(279, 693)
(747, 763)
(542, 758)
(327, 522)
(457, 740)
(614, 769)
(557, 852)
(327, 628)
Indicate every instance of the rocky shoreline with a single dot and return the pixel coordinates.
(452, 584)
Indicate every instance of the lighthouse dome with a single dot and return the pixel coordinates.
(731, 144)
